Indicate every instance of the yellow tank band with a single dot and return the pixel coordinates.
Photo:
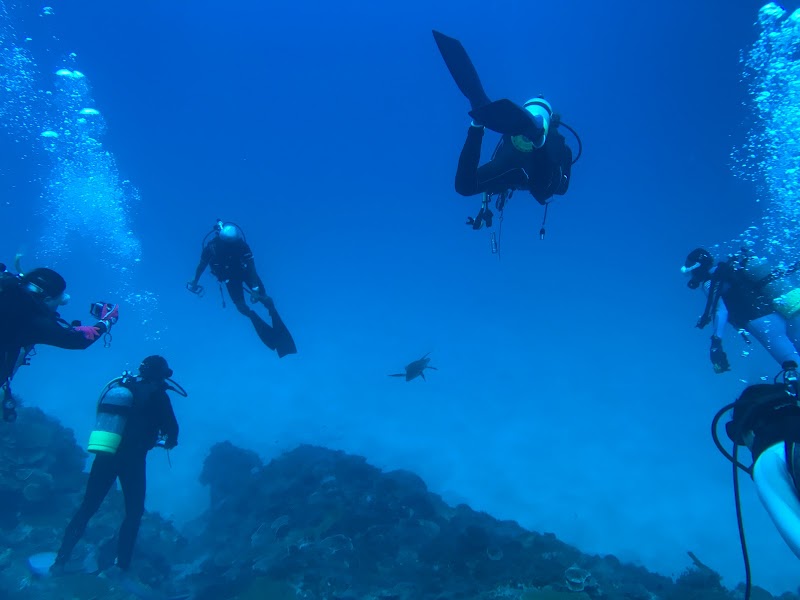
(789, 303)
(104, 442)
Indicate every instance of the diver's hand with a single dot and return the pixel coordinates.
(90, 333)
(194, 288)
(718, 357)
(167, 442)
(109, 315)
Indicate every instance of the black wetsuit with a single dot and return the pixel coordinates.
(544, 172)
(232, 263)
(25, 321)
(744, 300)
(151, 415)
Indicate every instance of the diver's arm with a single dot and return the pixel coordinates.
(169, 424)
(44, 330)
(720, 318)
(713, 298)
(205, 258)
(715, 301)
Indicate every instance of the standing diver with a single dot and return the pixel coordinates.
(766, 419)
(532, 155)
(232, 262)
(28, 316)
(134, 415)
(736, 295)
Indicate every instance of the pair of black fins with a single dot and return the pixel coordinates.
(502, 116)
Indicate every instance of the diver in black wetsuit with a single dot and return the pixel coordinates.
(532, 154)
(149, 417)
(28, 316)
(231, 261)
(735, 296)
(542, 166)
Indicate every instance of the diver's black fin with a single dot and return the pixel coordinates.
(422, 374)
(264, 331)
(461, 69)
(284, 342)
(397, 375)
(503, 116)
(275, 337)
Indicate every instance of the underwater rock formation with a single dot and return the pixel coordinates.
(317, 523)
(312, 524)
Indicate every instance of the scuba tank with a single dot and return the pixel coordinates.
(784, 289)
(113, 409)
(782, 286)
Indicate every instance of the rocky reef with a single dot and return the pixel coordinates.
(313, 524)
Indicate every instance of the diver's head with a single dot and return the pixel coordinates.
(542, 114)
(48, 285)
(229, 232)
(698, 267)
(155, 368)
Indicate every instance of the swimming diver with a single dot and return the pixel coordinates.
(231, 261)
(29, 304)
(532, 154)
(744, 296)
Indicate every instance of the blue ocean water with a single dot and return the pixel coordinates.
(573, 392)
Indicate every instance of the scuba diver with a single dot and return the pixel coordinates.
(28, 316)
(741, 293)
(134, 415)
(532, 155)
(232, 262)
(766, 419)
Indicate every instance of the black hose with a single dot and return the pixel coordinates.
(734, 459)
(725, 453)
(577, 137)
(740, 522)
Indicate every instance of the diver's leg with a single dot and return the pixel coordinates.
(266, 333)
(778, 494)
(133, 478)
(256, 286)
(771, 333)
(461, 69)
(236, 292)
(101, 477)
